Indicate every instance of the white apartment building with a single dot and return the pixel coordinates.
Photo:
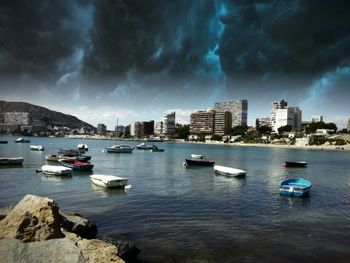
(317, 118)
(169, 123)
(276, 105)
(238, 110)
(288, 116)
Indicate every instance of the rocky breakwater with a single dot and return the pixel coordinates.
(35, 230)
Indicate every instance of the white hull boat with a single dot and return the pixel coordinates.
(119, 149)
(83, 147)
(52, 157)
(11, 161)
(56, 170)
(228, 171)
(108, 181)
(36, 147)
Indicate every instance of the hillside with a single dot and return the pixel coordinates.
(38, 113)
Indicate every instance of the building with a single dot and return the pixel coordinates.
(101, 129)
(135, 129)
(348, 125)
(120, 130)
(158, 129)
(147, 128)
(238, 110)
(202, 123)
(288, 116)
(16, 118)
(262, 122)
(317, 118)
(222, 122)
(169, 124)
(276, 105)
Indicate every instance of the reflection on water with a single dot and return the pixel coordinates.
(178, 214)
(107, 192)
(54, 178)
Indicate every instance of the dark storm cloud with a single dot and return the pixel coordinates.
(105, 44)
(288, 37)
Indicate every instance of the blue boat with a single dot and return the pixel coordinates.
(295, 187)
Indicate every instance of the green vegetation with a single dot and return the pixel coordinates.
(286, 128)
(239, 130)
(182, 131)
(216, 138)
(265, 130)
(312, 127)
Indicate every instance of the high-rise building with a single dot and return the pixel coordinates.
(288, 116)
(202, 122)
(222, 122)
(238, 110)
(349, 125)
(101, 129)
(147, 127)
(135, 129)
(276, 105)
(158, 129)
(317, 118)
(262, 122)
(169, 124)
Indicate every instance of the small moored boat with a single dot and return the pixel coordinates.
(295, 187)
(294, 164)
(3, 142)
(144, 146)
(199, 162)
(36, 147)
(56, 170)
(156, 149)
(52, 157)
(82, 147)
(109, 181)
(21, 140)
(119, 149)
(11, 161)
(229, 171)
(76, 165)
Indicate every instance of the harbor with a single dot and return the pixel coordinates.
(177, 213)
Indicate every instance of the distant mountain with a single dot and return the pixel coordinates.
(41, 114)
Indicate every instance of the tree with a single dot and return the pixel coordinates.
(216, 137)
(264, 129)
(331, 126)
(239, 130)
(286, 128)
(182, 131)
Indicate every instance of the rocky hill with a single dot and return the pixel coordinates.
(41, 114)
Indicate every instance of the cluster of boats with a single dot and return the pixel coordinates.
(291, 187)
(128, 149)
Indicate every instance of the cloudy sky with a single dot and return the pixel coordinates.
(135, 60)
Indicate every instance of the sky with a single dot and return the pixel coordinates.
(132, 60)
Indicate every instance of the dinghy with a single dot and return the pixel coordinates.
(56, 170)
(295, 187)
(229, 171)
(109, 181)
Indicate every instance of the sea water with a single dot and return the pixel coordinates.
(181, 214)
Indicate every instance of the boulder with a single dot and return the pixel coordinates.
(5, 210)
(60, 250)
(95, 250)
(34, 218)
(79, 225)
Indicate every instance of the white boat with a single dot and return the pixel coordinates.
(11, 161)
(56, 170)
(52, 157)
(119, 149)
(228, 171)
(36, 147)
(83, 147)
(144, 146)
(109, 181)
(198, 156)
(21, 140)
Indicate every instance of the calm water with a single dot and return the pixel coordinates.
(178, 214)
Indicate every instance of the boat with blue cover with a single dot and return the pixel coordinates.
(295, 187)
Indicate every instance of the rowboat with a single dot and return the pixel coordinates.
(198, 156)
(36, 147)
(3, 142)
(56, 170)
(229, 171)
(76, 165)
(81, 158)
(295, 187)
(119, 149)
(199, 162)
(108, 181)
(294, 164)
(11, 161)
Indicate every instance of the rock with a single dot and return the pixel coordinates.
(34, 218)
(95, 250)
(60, 250)
(127, 251)
(79, 225)
(5, 211)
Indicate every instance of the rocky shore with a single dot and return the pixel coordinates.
(36, 230)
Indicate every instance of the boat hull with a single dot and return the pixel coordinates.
(77, 166)
(295, 164)
(56, 170)
(11, 161)
(199, 162)
(228, 171)
(109, 181)
(298, 187)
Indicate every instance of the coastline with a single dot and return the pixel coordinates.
(345, 148)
